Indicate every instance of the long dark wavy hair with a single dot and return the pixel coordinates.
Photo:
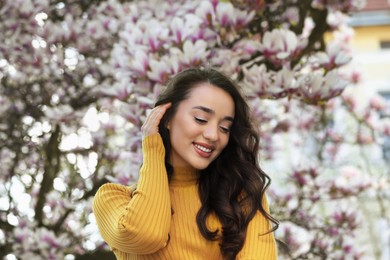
(233, 185)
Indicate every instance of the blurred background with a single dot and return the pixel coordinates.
(77, 78)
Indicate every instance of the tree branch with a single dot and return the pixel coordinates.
(51, 169)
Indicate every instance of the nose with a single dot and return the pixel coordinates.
(211, 133)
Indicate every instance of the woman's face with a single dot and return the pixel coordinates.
(200, 128)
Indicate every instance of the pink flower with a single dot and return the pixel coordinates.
(178, 30)
(335, 56)
(225, 14)
(139, 65)
(159, 70)
(280, 45)
(292, 15)
(243, 18)
(246, 47)
(284, 80)
(120, 90)
(316, 87)
(155, 35)
(336, 19)
(378, 103)
(364, 138)
(386, 128)
(257, 80)
(355, 77)
(205, 11)
(195, 53)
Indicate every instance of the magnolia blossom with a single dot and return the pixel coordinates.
(316, 87)
(121, 90)
(140, 64)
(194, 53)
(159, 70)
(292, 15)
(226, 59)
(280, 45)
(272, 84)
(60, 113)
(182, 28)
(225, 14)
(335, 56)
(243, 18)
(128, 164)
(336, 19)
(350, 181)
(246, 47)
(155, 35)
(205, 11)
(40, 241)
(297, 238)
(257, 80)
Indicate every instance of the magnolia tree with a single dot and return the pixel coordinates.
(78, 77)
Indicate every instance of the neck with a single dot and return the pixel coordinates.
(184, 176)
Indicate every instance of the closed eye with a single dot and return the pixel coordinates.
(200, 120)
(224, 129)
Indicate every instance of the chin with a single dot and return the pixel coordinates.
(200, 166)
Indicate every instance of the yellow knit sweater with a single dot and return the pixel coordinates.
(157, 220)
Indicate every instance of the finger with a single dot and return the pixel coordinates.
(152, 121)
(155, 115)
(162, 111)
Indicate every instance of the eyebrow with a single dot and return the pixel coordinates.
(210, 111)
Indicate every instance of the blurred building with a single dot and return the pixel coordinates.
(371, 56)
(371, 45)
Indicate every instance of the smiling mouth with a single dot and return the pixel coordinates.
(203, 149)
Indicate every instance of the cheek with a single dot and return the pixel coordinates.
(180, 127)
(224, 141)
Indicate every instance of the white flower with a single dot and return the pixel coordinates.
(205, 11)
(292, 15)
(335, 56)
(120, 90)
(256, 79)
(316, 87)
(177, 28)
(225, 14)
(284, 79)
(59, 113)
(336, 19)
(195, 52)
(159, 70)
(243, 17)
(26, 7)
(280, 44)
(140, 63)
(156, 33)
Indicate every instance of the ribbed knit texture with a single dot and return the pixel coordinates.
(152, 220)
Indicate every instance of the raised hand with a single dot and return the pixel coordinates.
(152, 121)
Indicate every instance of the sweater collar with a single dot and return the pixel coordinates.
(184, 176)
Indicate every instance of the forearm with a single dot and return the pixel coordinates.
(139, 222)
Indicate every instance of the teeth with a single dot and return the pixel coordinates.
(204, 149)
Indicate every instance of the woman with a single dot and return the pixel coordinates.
(200, 193)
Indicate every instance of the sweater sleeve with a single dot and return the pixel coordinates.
(137, 221)
(258, 243)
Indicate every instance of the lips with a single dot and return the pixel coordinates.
(204, 150)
